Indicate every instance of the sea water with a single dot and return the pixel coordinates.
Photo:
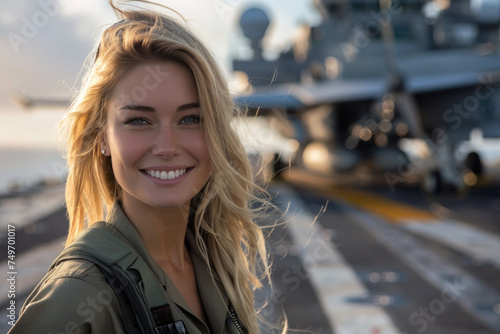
(22, 168)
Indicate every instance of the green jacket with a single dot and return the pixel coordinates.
(75, 297)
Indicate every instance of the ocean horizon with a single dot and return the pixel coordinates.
(26, 167)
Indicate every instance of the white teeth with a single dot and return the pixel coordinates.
(164, 175)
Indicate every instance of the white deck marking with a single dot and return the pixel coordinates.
(479, 245)
(332, 278)
(454, 282)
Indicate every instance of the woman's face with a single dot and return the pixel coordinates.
(155, 138)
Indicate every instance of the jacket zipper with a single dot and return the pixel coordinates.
(232, 313)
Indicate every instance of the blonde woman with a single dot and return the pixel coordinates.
(149, 142)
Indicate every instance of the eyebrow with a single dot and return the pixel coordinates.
(136, 107)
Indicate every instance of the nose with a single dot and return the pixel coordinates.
(165, 143)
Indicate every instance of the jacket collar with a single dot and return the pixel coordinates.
(212, 293)
(210, 288)
(119, 221)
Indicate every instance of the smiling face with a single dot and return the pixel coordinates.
(155, 137)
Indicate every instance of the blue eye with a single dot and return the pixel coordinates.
(136, 121)
(191, 119)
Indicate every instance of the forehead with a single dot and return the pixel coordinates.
(158, 84)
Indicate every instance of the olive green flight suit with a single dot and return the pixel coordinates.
(75, 298)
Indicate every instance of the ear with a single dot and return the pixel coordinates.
(104, 145)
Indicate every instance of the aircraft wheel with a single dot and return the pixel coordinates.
(432, 183)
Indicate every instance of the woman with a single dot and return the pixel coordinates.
(150, 142)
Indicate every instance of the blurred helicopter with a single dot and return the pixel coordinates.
(382, 89)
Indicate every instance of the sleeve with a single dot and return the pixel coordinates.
(71, 306)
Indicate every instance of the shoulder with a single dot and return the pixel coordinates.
(74, 273)
(73, 297)
(78, 269)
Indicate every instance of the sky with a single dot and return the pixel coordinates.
(44, 43)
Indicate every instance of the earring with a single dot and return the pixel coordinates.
(103, 152)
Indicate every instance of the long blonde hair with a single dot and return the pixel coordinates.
(232, 243)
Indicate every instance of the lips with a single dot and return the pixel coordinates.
(166, 175)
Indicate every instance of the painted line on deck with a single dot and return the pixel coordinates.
(455, 284)
(391, 210)
(479, 245)
(334, 281)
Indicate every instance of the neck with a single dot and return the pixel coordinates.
(163, 231)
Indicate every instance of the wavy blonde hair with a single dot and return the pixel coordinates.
(232, 243)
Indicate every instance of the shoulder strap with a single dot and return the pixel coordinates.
(112, 255)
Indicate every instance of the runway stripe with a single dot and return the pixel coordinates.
(334, 281)
(475, 297)
(393, 211)
(455, 284)
(479, 245)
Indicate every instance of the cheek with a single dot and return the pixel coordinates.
(198, 146)
(203, 149)
(124, 148)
